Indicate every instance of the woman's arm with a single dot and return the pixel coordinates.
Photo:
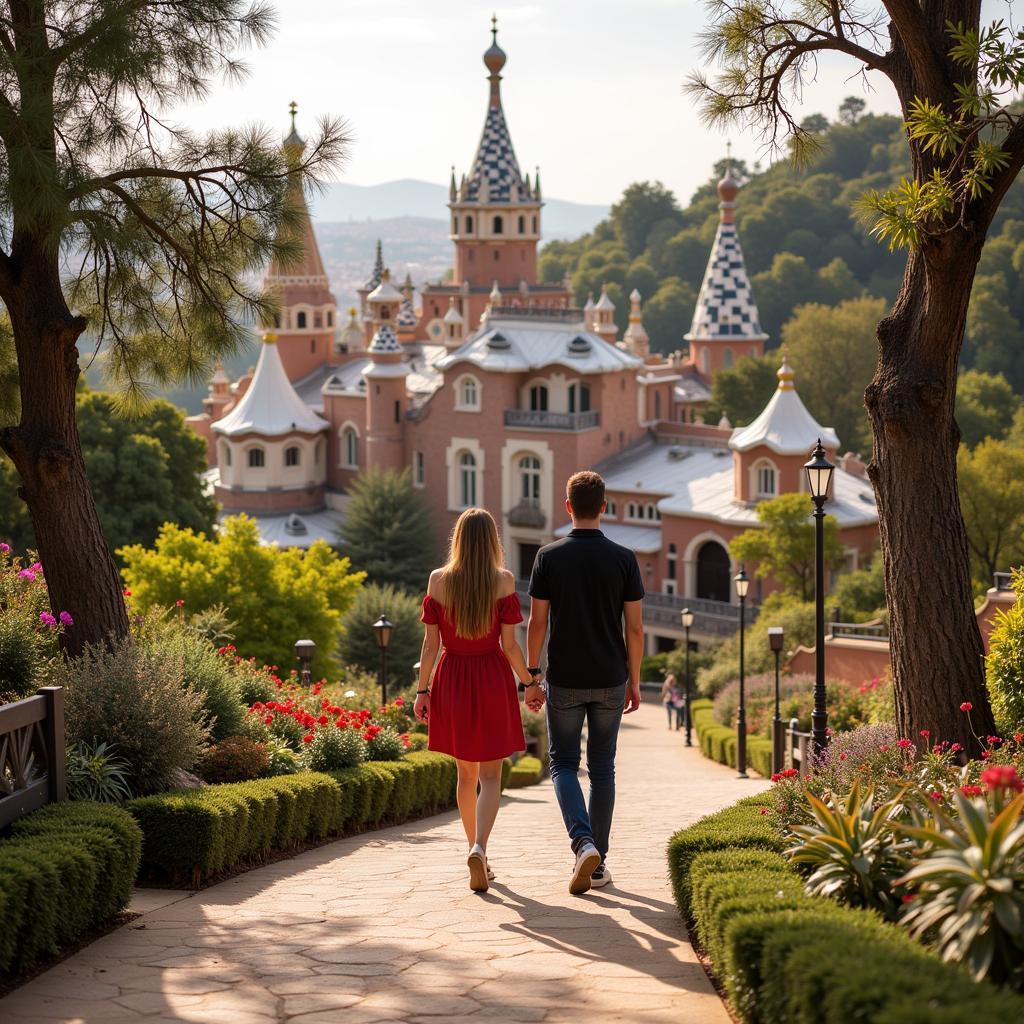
(428, 657)
(514, 653)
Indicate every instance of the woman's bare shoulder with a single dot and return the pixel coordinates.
(434, 584)
(507, 584)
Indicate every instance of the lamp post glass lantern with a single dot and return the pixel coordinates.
(304, 651)
(819, 481)
(686, 616)
(775, 640)
(742, 582)
(382, 630)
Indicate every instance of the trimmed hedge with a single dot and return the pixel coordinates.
(718, 742)
(784, 955)
(192, 834)
(527, 771)
(66, 869)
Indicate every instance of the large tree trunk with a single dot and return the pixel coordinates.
(936, 650)
(81, 576)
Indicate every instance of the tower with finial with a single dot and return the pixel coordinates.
(385, 377)
(635, 338)
(306, 322)
(726, 324)
(604, 316)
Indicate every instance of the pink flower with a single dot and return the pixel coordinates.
(843, 756)
(47, 619)
(5, 548)
(65, 617)
(967, 706)
(971, 790)
(179, 603)
(764, 810)
(925, 733)
(1002, 776)
(904, 744)
(935, 796)
(955, 747)
(27, 574)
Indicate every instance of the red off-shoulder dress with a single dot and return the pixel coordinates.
(474, 705)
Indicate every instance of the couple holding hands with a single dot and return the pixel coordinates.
(587, 592)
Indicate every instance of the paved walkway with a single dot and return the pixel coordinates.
(382, 927)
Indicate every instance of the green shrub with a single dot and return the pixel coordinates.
(1005, 662)
(132, 696)
(332, 748)
(66, 868)
(385, 745)
(26, 642)
(417, 741)
(235, 759)
(506, 773)
(527, 771)
(95, 772)
(358, 644)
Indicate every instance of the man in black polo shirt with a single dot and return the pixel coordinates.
(584, 586)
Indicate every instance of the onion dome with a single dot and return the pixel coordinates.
(494, 55)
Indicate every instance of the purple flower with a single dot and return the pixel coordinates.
(36, 566)
(27, 574)
(65, 617)
(47, 619)
(5, 548)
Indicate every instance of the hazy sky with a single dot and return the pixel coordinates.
(592, 88)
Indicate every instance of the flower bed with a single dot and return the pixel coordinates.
(784, 955)
(65, 869)
(193, 834)
(719, 741)
(527, 771)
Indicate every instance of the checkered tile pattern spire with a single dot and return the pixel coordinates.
(726, 308)
(495, 163)
(385, 340)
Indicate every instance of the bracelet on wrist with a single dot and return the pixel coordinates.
(420, 693)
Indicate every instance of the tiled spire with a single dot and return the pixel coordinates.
(726, 309)
(378, 270)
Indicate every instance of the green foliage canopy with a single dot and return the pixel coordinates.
(985, 406)
(358, 643)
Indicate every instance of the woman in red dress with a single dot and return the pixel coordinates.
(470, 614)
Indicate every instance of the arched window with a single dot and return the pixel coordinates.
(225, 453)
(467, 394)
(467, 480)
(257, 459)
(611, 511)
(579, 398)
(292, 455)
(650, 511)
(499, 225)
(727, 358)
(300, 320)
(529, 479)
(713, 572)
(633, 511)
(539, 398)
(535, 225)
(469, 225)
(350, 448)
(522, 224)
(766, 481)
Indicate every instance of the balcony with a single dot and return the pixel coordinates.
(531, 419)
(527, 513)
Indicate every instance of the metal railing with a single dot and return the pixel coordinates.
(573, 314)
(31, 753)
(797, 747)
(861, 630)
(537, 419)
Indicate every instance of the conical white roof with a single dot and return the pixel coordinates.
(270, 406)
(784, 426)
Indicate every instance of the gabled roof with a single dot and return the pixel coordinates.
(270, 406)
(784, 426)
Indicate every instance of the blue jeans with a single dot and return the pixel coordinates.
(601, 709)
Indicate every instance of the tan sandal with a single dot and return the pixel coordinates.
(477, 863)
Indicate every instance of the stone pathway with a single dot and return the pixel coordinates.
(382, 927)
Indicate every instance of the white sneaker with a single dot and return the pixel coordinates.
(601, 877)
(587, 861)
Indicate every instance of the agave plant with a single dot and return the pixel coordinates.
(969, 885)
(854, 853)
(96, 773)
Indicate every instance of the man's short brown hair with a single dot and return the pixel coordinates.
(585, 491)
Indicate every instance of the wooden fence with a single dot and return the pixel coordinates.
(31, 753)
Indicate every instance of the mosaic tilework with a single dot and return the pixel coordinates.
(385, 340)
(495, 162)
(407, 315)
(378, 270)
(726, 307)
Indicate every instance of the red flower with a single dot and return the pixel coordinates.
(341, 723)
(967, 706)
(127, 593)
(971, 790)
(322, 719)
(269, 720)
(925, 733)
(1002, 776)
(179, 603)
(907, 897)
(308, 738)
(842, 756)
(936, 796)
(399, 703)
(904, 744)
(776, 777)
(1018, 737)
(764, 810)
(884, 747)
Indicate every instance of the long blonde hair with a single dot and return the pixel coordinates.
(470, 577)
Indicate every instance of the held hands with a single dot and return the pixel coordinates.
(632, 697)
(534, 695)
(422, 706)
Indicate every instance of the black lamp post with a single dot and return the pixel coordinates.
(775, 638)
(304, 651)
(742, 585)
(819, 479)
(382, 631)
(687, 619)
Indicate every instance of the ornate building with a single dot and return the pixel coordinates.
(498, 388)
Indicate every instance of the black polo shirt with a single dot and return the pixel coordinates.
(587, 578)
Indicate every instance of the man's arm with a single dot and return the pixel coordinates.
(633, 611)
(536, 631)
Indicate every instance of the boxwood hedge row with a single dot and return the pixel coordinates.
(719, 741)
(786, 956)
(65, 869)
(527, 771)
(192, 834)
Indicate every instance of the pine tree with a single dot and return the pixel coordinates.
(150, 233)
(358, 645)
(387, 531)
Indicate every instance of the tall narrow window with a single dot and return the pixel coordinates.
(671, 561)
(257, 459)
(499, 225)
(522, 225)
(467, 480)
(469, 225)
(398, 410)
(292, 455)
(419, 469)
(350, 448)
(765, 484)
(657, 405)
(300, 320)
(529, 479)
(727, 358)
(579, 398)
(539, 398)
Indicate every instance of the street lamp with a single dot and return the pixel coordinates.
(742, 585)
(687, 619)
(775, 638)
(819, 479)
(382, 631)
(304, 651)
